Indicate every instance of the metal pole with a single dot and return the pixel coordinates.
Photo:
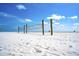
(26, 28)
(51, 27)
(18, 29)
(43, 27)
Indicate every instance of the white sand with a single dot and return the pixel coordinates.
(35, 44)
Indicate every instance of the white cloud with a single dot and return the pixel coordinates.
(7, 15)
(45, 23)
(25, 20)
(12, 16)
(28, 20)
(3, 14)
(56, 23)
(56, 17)
(76, 24)
(73, 17)
(21, 7)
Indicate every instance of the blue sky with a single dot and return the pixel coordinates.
(65, 15)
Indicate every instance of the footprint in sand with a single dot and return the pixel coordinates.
(70, 46)
(27, 43)
(1, 48)
(37, 50)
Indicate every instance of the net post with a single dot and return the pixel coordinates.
(18, 29)
(51, 26)
(43, 27)
(26, 28)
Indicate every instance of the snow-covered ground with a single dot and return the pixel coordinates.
(35, 44)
